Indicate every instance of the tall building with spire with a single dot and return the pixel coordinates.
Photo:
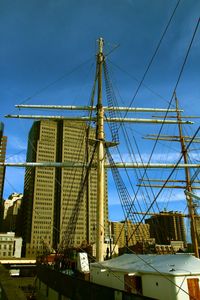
(59, 204)
(3, 143)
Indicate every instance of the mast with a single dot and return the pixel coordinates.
(87, 189)
(100, 158)
(188, 187)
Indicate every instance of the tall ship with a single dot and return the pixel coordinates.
(65, 211)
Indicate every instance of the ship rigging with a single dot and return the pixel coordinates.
(102, 145)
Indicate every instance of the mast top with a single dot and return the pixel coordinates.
(100, 43)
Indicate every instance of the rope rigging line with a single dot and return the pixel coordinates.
(112, 102)
(190, 154)
(167, 179)
(154, 55)
(119, 183)
(137, 80)
(126, 202)
(125, 134)
(148, 196)
(111, 99)
(77, 156)
(173, 170)
(55, 81)
(174, 88)
(71, 227)
(178, 80)
(127, 213)
(136, 192)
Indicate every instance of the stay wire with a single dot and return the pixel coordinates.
(154, 55)
(137, 80)
(55, 81)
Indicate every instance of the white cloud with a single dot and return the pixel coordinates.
(16, 158)
(15, 142)
(158, 157)
(166, 196)
(144, 157)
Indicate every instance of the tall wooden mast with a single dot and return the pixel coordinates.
(188, 186)
(100, 159)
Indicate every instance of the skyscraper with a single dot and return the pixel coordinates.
(59, 204)
(3, 142)
(126, 233)
(167, 227)
(11, 216)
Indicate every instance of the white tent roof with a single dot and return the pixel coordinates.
(176, 264)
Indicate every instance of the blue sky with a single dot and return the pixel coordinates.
(42, 41)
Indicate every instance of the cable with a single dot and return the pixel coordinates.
(134, 78)
(154, 55)
(54, 82)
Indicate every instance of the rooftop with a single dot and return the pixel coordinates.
(172, 264)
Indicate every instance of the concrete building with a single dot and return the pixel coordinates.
(11, 213)
(175, 246)
(3, 143)
(128, 233)
(106, 250)
(10, 246)
(58, 207)
(167, 227)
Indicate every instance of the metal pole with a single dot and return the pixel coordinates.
(87, 189)
(188, 187)
(107, 165)
(100, 160)
(110, 239)
(106, 108)
(81, 119)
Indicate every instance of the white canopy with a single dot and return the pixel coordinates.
(174, 265)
